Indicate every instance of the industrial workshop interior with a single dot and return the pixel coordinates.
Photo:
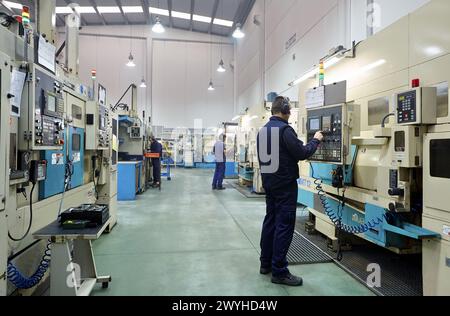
(224, 148)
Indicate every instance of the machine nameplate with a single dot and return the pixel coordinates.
(446, 230)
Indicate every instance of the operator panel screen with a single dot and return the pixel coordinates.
(407, 107)
(51, 103)
(326, 123)
(329, 120)
(314, 124)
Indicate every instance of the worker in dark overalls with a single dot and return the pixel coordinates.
(156, 148)
(220, 157)
(279, 156)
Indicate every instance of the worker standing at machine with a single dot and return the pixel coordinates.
(220, 156)
(279, 158)
(156, 148)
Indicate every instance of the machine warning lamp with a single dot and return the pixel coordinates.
(25, 16)
(94, 74)
(415, 83)
(322, 73)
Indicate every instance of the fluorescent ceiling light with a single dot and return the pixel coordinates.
(85, 10)
(433, 51)
(132, 9)
(158, 11)
(12, 5)
(181, 15)
(108, 9)
(223, 22)
(374, 65)
(63, 10)
(236, 118)
(201, 18)
(331, 62)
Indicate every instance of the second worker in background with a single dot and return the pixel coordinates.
(279, 156)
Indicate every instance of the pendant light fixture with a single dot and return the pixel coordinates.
(211, 86)
(143, 83)
(221, 67)
(158, 28)
(238, 32)
(130, 62)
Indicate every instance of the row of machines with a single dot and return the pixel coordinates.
(58, 147)
(381, 173)
(246, 140)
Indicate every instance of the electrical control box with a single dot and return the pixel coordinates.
(42, 112)
(97, 126)
(135, 132)
(38, 170)
(339, 123)
(417, 106)
(408, 146)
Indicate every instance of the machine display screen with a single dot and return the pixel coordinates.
(326, 123)
(51, 103)
(439, 158)
(314, 124)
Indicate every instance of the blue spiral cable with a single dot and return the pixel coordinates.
(19, 280)
(22, 282)
(336, 217)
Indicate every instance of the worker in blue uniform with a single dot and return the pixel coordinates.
(220, 157)
(279, 158)
(156, 148)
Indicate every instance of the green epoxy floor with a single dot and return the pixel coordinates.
(190, 241)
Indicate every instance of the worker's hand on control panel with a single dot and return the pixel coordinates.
(319, 136)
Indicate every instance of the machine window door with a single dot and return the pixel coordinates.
(76, 142)
(439, 158)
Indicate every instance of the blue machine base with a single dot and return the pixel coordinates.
(126, 181)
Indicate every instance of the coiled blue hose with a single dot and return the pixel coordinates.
(14, 275)
(22, 282)
(336, 217)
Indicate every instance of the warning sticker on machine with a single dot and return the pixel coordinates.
(446, 230)
(57, 159)
(76, 157)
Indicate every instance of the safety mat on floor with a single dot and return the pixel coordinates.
(302, 251)
(243, 190)
(401, 275)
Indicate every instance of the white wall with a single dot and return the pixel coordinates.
(181, 74)
(317, 25)
(177, 84)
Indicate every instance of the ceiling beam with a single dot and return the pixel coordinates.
(82, 20)
(213, 15)
(119, 4)
(170, 6)
(146, 7)
(242, 13)
(191, 26)
(92, 2)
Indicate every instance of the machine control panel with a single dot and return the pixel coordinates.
(407, 107)
(329, 120)
(417, 106)
(49, 111)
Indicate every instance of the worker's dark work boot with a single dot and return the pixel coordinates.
(289, 279)
(221, 188)
(265, 271)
